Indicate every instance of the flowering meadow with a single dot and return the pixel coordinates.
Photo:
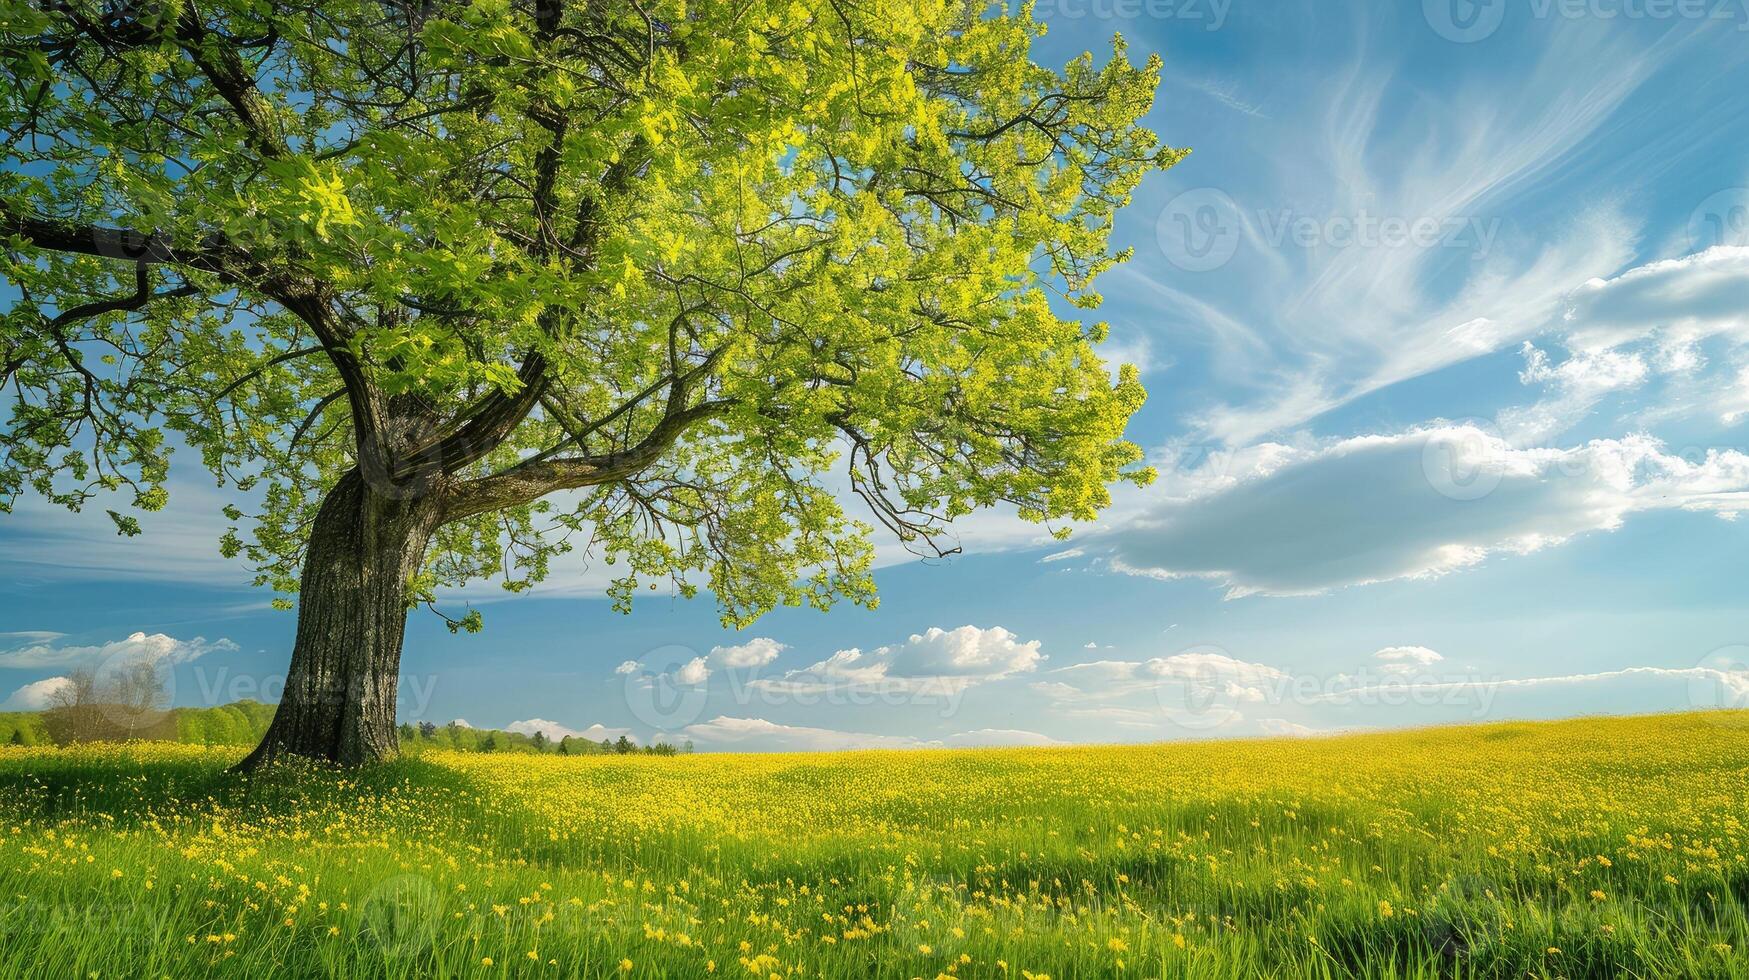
(1581, 848)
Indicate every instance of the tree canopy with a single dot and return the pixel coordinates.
(665, 282)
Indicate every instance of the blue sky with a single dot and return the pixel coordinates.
(1446, 328)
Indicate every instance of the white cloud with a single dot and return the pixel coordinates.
(756, 652)
(156, 647)
(1575, 386)
(1728, 685)
(460, 723)
(1000, 737)
(1331, 325)
(1307, 519)
(759, 735)
(1208, 693)
(937, 662)
(1677, 301)
(556, 732)
(628, 667)
(34, 696)
(1406, 660)
(1209, 671)
(694, 673)
(1283, 727)
(1061, 555)
(1651, 320)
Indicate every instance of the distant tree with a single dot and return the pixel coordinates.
(539, 741)
(688, 747)
(18, 738)
(438, 285)
(427, 730)
(488, 743)
(607, 746)
(73, 715)
(623, 746)
(565, 745)
(407, 732)
(135, 694)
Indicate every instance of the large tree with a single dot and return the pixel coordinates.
(446, 289)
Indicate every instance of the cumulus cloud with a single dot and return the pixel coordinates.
(759, 735)
(1406, 660)
(628, 667)
(35, 696)
(556, 732)
(756, 652)
(693, 673)
(1210, 671)
(937, 661)
(1298, 520)
(1655, 320)
(155, 648)
(1575, 386)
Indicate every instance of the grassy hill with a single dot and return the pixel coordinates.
(1596, 847)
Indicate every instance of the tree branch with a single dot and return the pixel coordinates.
(531, 480)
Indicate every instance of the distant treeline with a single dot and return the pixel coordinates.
(239, 723)
(415, 737)
(243, 723)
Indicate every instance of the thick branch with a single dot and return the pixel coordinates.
(121, 244)
(531, 480)
(234, 265)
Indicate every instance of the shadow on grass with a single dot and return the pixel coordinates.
(130, 783)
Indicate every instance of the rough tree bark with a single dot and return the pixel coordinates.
(339, 700)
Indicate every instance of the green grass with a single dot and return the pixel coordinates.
(1597, 847)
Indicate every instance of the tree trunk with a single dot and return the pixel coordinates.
(339, 700)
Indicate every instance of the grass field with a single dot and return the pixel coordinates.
(1581, 848)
